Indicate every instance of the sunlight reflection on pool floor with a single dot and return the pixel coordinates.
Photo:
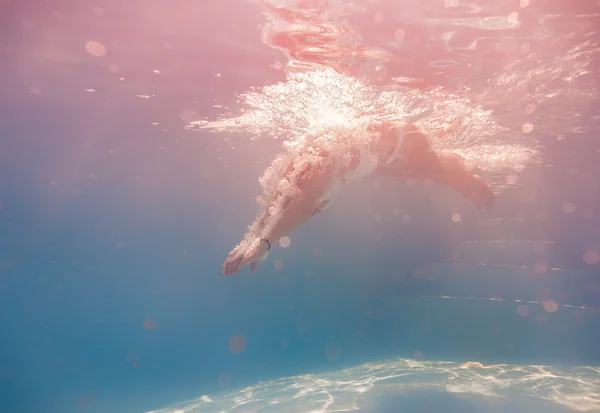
(415, 386)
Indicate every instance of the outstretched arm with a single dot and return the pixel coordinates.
(296, 199)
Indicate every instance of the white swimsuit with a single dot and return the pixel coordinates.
(368, 163)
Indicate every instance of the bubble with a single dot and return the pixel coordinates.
(591, 257)
(530, 108)
(399, 35)
(512, 179)
(237, 343)
(550, 306)
(568, 207)
(332, 352)
(455, 217)
(526, 128)
(378, 17)
(149, 324)
(522, 310)
(284, 242)
(95, 48)
(278, 264)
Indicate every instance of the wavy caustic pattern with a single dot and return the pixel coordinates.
(354, 389)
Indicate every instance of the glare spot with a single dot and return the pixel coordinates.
(378, 17)
(550, 306)
(278, 264)
(568, 207)
(522, 310)
(451, 3)
(95, 48)
(98, 11)
(149, 324)
(156, 71)
(512, 179)
(591, 257)
(284, 242)
(399, 35)
(237, 343)
(526, 128)
(455, 217)
(540, 268)
(332, 352)
(513, 17)
(529, 109)
(218, 75)
(277, 65)
(524, 3)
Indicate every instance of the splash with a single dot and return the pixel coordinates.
(312, 103)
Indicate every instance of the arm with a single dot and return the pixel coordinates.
(295, 201)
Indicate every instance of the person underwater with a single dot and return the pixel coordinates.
(312, 177)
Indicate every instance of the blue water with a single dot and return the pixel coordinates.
(115, 220)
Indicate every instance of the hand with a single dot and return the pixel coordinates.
(238, 258)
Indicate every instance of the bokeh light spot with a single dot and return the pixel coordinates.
(540, 268)
(529, 109)
(95, 48)
(237, 343)
(550, 306)
(526, 128)
(522, 310)
(278, 264)
(285, 242)
(512, 179)
(399, 35)
(568, 208)
(591, 257)
(149, 324)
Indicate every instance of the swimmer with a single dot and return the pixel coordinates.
(312, 178)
